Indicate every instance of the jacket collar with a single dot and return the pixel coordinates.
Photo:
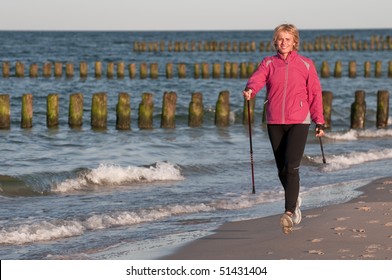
(289, 57)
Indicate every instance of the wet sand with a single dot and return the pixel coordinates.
(358, 229)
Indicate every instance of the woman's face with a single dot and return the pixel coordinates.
(284, 43)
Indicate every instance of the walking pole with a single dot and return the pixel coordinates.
(251, 149)
(322, 150)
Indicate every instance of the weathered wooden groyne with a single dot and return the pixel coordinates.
(99, 110)
(204, 70)
(320, 43)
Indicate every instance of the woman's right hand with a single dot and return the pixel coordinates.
(247, 93)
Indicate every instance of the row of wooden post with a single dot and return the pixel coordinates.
(99, 111)
(231, 70)
(323, 43)
(146, 110)
(325, 71)
(358, 109)
(203, 70)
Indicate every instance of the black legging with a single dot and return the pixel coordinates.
(288, 144)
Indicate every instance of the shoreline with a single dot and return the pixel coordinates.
(357, 229)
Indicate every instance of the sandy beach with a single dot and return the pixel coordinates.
(358, 229)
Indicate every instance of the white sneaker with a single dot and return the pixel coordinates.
(297, 216)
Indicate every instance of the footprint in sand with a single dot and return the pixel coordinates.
(342, 218)
(358, 230)
(359, 236)
(316, 252)
(339, 228)
(373, 248)
(316, 240)
(367, 256)
(344, 250)
(364, 208)
(312, 216)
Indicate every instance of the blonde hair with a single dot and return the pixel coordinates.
(289, 28)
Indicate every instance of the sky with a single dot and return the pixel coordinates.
(145, 15)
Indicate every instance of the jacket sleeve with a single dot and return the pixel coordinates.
(258, 79)
(315, 96)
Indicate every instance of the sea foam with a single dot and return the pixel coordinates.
(353, 134)
(114, 175)
(40, 231)
(344, 161)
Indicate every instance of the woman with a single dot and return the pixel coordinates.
(294, 99)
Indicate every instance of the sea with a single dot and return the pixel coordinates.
(138, 194)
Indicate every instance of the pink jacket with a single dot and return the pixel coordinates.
(294, 94)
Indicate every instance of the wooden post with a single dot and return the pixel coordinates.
(27, 111)
(154, 70)
(205, 71)
(196, 110)
(98, 69)
(338, 69)
(6, 69)
(227, 70)
(390, 69)
(169, 70)
(120, 70)
(382, 109)
(75, 113)
(143, 71)
(358, 111)
(146, 111)
(196, 70)
(47, 70)
(324, 73)
(378, 69)
(327, 107)
(252, 103)
(235, 46)
(250, 68)
(216, 69)
(52, 110)
(169, 110)
(99, 111)
(222, 112)
(253, 46)
(19, 69)
(367, 67)
(132, 70)
(110, 70)
(181, 70)
(123, 110)
(5, 112)
(243, 70)
(352, 69)
(58, 69)
(234, 70)
(34, 70)
(83, 69)
(69, 70)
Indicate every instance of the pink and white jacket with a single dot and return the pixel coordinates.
(294, 94)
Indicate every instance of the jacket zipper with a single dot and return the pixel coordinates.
(285, 92)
